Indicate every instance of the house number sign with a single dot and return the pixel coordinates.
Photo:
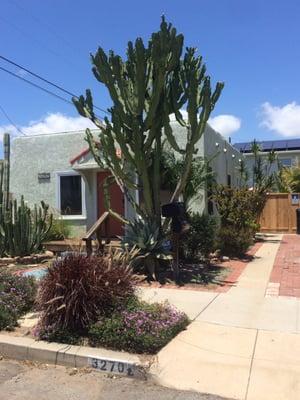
(112, 366)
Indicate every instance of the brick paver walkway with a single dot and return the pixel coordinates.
(285, 276)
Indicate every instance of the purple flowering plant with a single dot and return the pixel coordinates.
(140, 327)
(17, 296)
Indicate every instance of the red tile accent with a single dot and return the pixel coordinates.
(286, 269)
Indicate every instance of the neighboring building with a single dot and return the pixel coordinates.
(59, 169)
(288, 151)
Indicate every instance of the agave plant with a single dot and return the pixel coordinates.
(145, 236)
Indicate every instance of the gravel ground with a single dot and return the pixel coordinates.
(30, 381)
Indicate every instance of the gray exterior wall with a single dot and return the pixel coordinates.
(31, 155)
(224, 159)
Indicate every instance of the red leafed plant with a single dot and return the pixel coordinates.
(78, 289)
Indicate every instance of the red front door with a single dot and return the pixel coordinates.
(116, 203)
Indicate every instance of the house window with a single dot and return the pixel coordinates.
(70, 195)
(286, 162)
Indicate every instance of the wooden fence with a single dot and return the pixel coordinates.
(279, 214)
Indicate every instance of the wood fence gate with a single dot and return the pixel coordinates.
(279, 214)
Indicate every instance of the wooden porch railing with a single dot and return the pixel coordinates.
(96, 230)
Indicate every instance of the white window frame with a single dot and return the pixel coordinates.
(286, 159)
(58, 197)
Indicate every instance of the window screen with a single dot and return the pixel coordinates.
(70, 195)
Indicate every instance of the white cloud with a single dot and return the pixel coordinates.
(52, 123)
(57, 122)
(283, 120)
(225, 124)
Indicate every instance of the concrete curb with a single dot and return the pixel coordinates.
(22, 348)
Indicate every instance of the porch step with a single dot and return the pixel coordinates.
(59, 246)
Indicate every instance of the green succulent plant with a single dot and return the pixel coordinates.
(145, 236)
(153, 82)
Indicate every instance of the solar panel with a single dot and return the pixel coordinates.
(293, 143)
(267, 145)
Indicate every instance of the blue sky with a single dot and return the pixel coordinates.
(251, 45)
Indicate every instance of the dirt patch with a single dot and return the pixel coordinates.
(8, 370)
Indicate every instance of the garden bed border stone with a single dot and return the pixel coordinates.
(32, 259)
(22, 348)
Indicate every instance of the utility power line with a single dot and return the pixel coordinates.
(37, 76)
(35, 85)
(40, 87)
(46, 80)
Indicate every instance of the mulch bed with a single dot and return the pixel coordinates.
(216, 277)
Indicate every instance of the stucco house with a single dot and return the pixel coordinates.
(59, 169)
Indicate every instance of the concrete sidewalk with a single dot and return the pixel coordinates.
(241, 344)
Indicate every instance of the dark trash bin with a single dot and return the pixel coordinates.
(298, 220)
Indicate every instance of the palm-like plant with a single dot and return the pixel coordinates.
(263, 175)
(289, 179)
(243, 173)
(200, 176)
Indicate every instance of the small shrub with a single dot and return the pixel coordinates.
(52, 334)
(60, 230)
(78, 289)
(239, 211)
(239, 207)
(17, 296)
(8, 316)
(233, 242)
(199, 241)
(139, 328)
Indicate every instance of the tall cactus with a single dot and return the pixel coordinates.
(6, 168)
(22, 230)
(150, 85)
